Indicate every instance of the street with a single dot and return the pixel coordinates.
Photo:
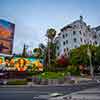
(87, 94)
(27, 93)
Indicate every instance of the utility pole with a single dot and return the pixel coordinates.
(49, 60)
(90, 60)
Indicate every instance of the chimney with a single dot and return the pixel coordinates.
(81, 18)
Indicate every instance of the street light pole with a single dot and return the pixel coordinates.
(90, 60)
(49, 60)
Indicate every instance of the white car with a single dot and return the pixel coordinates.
(48, 97)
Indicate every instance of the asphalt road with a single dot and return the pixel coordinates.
(27, 93)
(87, 94)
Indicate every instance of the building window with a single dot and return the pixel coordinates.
(57, 48)
(66, 34)
(96, 42)
(84, 41)
(64, 49)
(67, 49)
(81, 39)
(84, 34)
(75, 40)
(75, 46)
(66, 41)
(80, 32)
(58, 53)
(81, 26)
(95, 36)
(74, 25)
(63, 36)
(74, 32)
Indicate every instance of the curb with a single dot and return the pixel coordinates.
(26, 86)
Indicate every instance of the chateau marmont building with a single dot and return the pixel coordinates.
(75, 34)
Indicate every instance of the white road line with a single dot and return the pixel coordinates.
(11, 92)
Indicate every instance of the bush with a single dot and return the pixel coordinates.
(63, 61)
(73, 70)
(30, 73)
(17, 82)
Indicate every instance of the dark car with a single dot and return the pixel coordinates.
(1, 82)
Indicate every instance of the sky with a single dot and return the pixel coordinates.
(33, 17)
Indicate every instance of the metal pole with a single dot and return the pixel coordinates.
(91, 68)
(90, 60)
(48, 53)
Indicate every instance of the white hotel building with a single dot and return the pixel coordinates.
(75, 34)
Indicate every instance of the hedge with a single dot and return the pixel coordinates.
(17, 82)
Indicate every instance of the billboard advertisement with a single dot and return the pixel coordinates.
(6, 36)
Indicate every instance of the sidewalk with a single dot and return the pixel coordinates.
(78, 81)
(39, 85)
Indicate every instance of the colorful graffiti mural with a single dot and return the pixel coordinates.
(22, 64)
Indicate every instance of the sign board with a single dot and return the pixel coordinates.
(6, 36)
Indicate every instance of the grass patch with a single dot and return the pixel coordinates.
(52, 75)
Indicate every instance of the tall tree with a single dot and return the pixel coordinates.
(97, 56)
(50, 49)
(24, 51)
(80, 55)
(44, 54)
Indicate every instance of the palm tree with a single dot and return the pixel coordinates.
(50, 35)
(44, 53)
(42, 46)
(43, 50)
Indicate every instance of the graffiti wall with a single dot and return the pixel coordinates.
(21, 64)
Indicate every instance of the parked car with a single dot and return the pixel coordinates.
(51, 96)
(3, 82)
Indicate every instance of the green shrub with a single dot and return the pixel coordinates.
(30, 73)
(73, 70)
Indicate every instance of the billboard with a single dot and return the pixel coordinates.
(6, 36)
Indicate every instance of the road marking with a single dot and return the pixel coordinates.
(12, 92)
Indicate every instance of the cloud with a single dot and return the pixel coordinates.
(25, 34)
